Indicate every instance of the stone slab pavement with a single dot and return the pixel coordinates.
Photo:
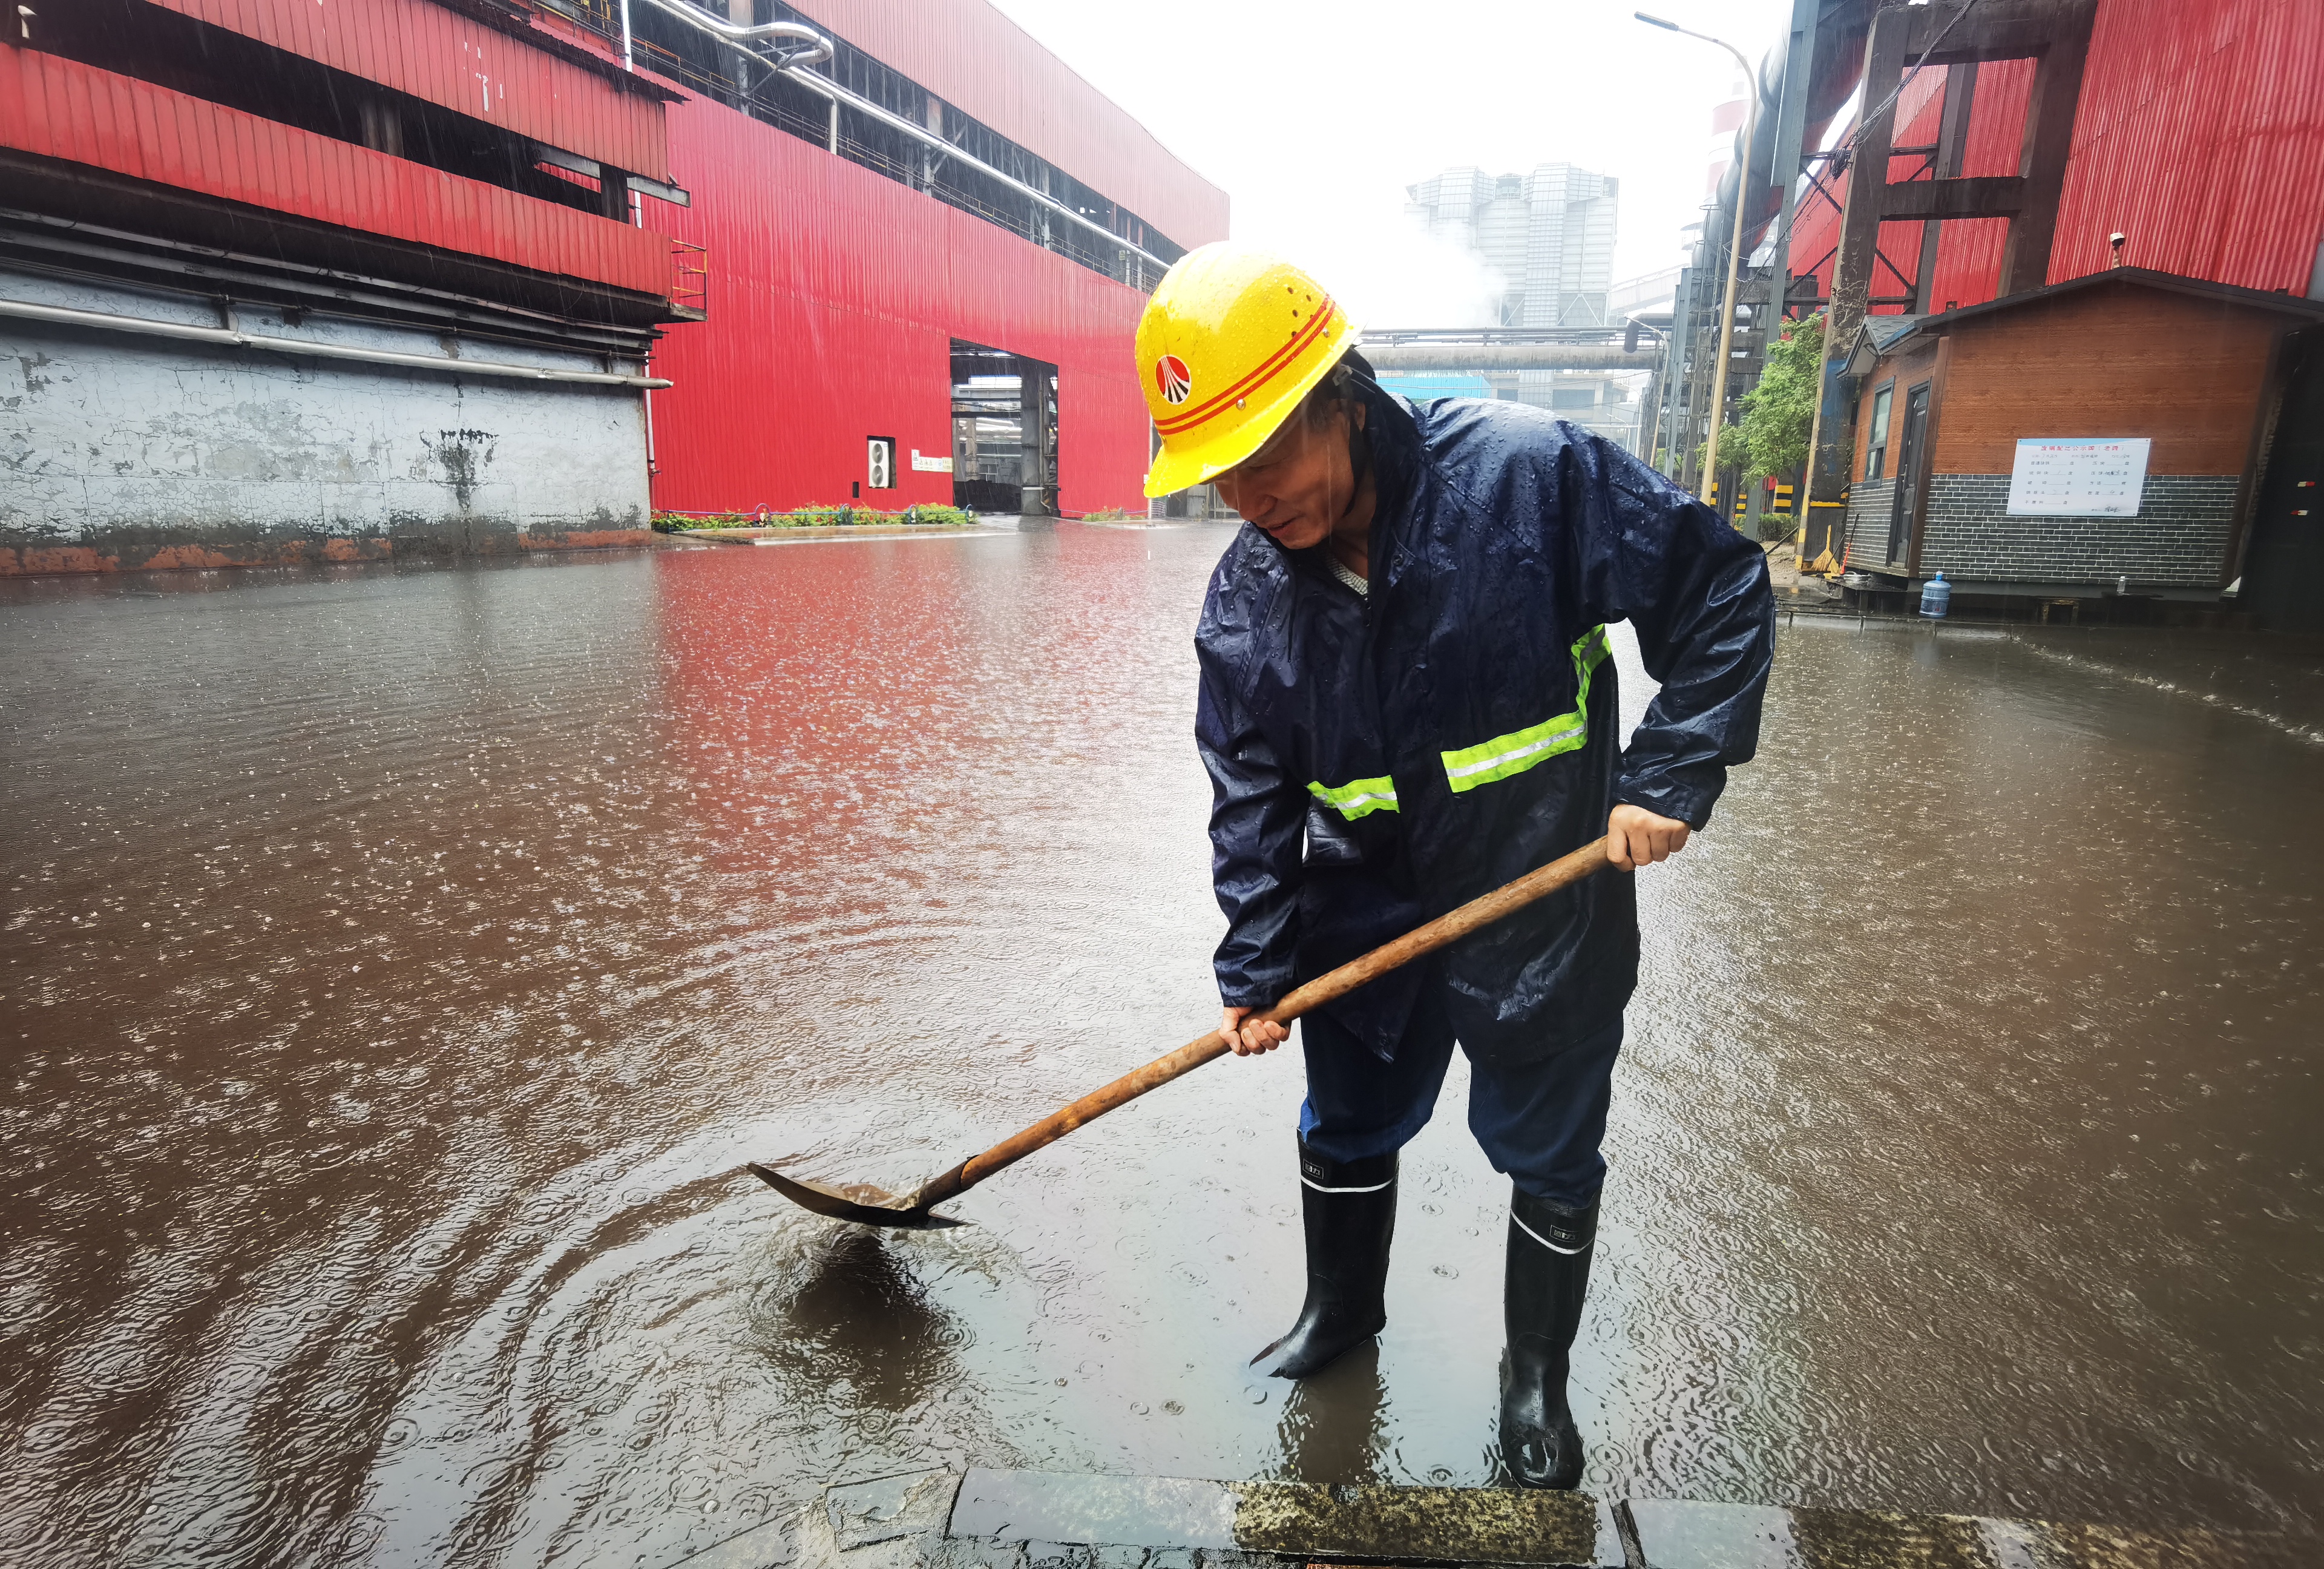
(1022, 1520)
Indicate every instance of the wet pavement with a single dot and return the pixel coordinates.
(401, 965)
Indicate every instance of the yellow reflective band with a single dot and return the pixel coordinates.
(1519, 751)
(1357, 797)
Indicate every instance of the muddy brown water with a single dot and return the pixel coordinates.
(401, 965)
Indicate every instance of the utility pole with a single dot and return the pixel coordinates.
(1735, 245)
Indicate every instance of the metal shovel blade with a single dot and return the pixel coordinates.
(859, 1202)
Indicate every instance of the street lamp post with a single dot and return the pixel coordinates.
(1734, 248)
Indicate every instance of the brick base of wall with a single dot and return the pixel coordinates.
(2179, 539)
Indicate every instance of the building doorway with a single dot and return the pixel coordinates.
(1908, 474)
(2283, 569)
(1004, 425)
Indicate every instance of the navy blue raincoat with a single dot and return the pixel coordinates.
(1375, 762)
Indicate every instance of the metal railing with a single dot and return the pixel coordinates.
(690, 282)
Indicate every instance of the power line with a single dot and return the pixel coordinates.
(1907, 80)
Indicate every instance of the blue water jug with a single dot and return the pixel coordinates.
(1936, 597)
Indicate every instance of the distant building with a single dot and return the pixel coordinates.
(1549, 237)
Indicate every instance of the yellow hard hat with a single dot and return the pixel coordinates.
(1232, 339)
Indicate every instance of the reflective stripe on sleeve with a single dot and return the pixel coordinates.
(1357, 797)
(1506, 755)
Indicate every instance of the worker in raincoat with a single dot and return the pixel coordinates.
(1406, 702)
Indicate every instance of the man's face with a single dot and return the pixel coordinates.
(1297, 485)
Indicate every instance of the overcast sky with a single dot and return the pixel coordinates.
(1315, 115)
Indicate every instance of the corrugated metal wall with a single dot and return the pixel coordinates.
(2200, 134)
(834, 297)
(442, 58)
(1969, 251)
(975, 58)
(60, 108)
(1815, 231)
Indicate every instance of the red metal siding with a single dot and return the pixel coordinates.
(442, 58)
(1815, 231)
(1969, 251)
(60, 108)
(2200, 134)
(834, 297)
(976, 60)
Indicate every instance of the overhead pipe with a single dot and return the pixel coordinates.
(818, 49)
(1407, 359)
(1841, 26)
(69, 316)
(735, 36)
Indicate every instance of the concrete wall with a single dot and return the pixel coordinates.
(122, 450)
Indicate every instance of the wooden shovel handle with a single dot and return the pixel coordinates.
(1443, 931)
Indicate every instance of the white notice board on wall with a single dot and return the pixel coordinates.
(2078, 476)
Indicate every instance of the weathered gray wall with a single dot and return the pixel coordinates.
(121, 450)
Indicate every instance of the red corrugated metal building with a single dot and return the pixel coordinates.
(2197, 136)
(488, 204)
(837, 291)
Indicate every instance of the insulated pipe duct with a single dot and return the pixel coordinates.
(1409, 358)
(818, 49)
(67, 316)
(1840, 31)
(735, 37)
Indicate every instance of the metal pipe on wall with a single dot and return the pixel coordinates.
(735, 38)
(818, 49)
(69, 316)
(1407, 358)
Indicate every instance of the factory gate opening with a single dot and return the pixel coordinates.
(1004, 423)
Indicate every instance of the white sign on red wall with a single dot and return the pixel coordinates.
(2078, 476)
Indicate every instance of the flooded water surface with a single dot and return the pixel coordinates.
(400, 967)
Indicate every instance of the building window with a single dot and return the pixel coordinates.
(882, 467)
(1876, 446)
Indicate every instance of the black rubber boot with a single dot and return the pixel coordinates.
(1549, 1269)
(1350, 1209)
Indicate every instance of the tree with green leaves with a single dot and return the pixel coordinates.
(1779, 413)
(1734, 451)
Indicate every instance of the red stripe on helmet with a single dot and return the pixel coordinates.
(1267, 370)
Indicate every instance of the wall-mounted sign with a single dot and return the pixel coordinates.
(925, 464)
(2078, 476)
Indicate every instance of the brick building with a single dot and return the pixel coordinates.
(2161, 391)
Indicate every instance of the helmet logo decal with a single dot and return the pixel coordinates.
(1172, 377)
(1251, 384)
